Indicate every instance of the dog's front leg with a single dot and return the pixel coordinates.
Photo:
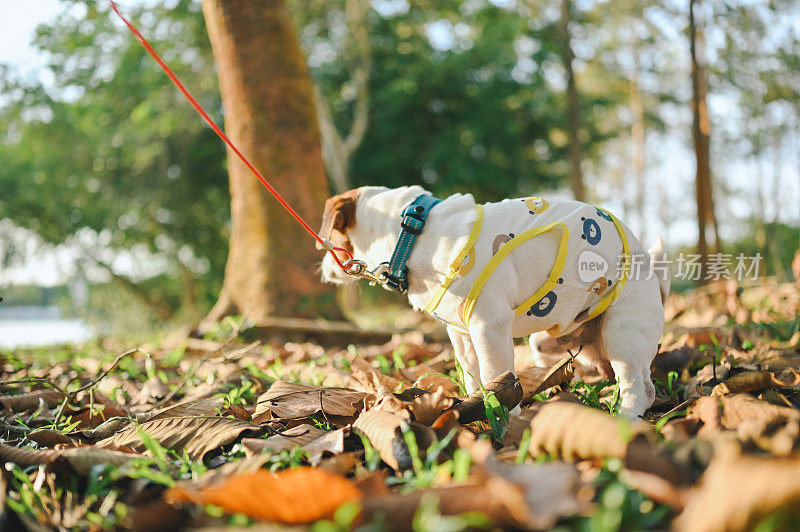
(494, 346)
(467, 358)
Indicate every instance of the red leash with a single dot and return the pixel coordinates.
(346, 266)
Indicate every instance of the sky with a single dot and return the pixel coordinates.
(671, 177)
(17, 27)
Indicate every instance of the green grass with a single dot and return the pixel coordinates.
(596, 395)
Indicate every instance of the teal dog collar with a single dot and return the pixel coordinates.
(411, 224)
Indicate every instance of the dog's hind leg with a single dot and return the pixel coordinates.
(545, 349)
(466, 357)
(630, 342)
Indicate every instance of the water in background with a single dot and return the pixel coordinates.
(37, 326)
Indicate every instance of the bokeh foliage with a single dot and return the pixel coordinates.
(100, 151)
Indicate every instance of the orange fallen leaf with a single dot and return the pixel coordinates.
(294, 496)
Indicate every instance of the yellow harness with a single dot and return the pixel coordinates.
(468, 250)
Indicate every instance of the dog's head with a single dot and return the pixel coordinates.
(339, 218)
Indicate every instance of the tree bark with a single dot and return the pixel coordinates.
(269, 114)
(701, 132)
(573, 107)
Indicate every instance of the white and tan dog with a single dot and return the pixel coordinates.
(517, 268)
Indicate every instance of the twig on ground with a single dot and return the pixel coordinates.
(41, 380)
(190, 374)
(113, 365)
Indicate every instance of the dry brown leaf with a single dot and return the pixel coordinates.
(384, 430)
(388, 402)
(294, 496)
(655, 487)
(50, 438)
(332, 442)
(81, 459)
(412, 373)
(770, 427)
(709, 411)
(746, 381)
(551, 490)
(205, 390)
(26, 456)
(774, 397)
(88, 418)
(195, 435)
(31, 400)
(152, 390)
(372, 483)
(412, 346)
(286, 440)
(674, 357)
(499, 500)
(535, 380)
(436, 381)
(736, 493)
(238, 411)
(740, 407)
(506, 388)
(218, 476)
(203, 408)
(695, 388)
(289, 400)
(517, 425)
(577, 432)
(339, 464)
(778, 435)
(445, 423)
(371, 378)
(680, 429)
(428, 407)
(102, 431)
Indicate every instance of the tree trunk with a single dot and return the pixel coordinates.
(701, 130)
(573, 107)
(269, 114)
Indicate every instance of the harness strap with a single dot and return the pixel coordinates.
(626, 254)
(552, 280)
(458, 262)
(503, 252)
(411, 224)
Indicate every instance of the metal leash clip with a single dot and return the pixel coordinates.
(358, 268)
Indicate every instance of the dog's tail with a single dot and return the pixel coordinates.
(659, 255)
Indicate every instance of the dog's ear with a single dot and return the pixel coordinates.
(339, 216)
(344, 216)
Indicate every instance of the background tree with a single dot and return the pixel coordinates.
(758, 65)
(701, 132)
(573, 105)
(356, 56)
(103, 160)
(267, 95)
(106, 158)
